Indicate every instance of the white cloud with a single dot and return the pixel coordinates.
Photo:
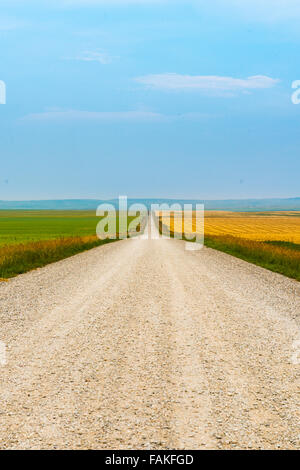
(173, 81)
(60, 115)
(94, 56)
(74, 115)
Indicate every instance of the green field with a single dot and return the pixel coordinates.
(32, 239)
(27, 226)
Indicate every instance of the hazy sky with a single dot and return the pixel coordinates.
(149, 98)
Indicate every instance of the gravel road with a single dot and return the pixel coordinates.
(142, 344)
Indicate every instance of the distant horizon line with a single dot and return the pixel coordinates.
(153, 199)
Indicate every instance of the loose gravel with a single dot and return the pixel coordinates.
(142, 344)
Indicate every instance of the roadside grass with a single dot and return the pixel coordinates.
(290, 245)
(277, 256)
(20, 258)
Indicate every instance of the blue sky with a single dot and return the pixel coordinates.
(149, 98)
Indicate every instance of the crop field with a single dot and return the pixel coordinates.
(32, 239)
(252, 226)
(268, 239)
(28, 226)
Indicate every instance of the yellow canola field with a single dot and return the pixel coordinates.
(280, 226)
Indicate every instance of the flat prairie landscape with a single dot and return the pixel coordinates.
(141, 344)
(122, 326)
(31, 239)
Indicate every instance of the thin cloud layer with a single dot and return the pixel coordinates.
(74, 115)
(173, 81)
(95, 56)
(111, 117)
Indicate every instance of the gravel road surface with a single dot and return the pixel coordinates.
(142, 344)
